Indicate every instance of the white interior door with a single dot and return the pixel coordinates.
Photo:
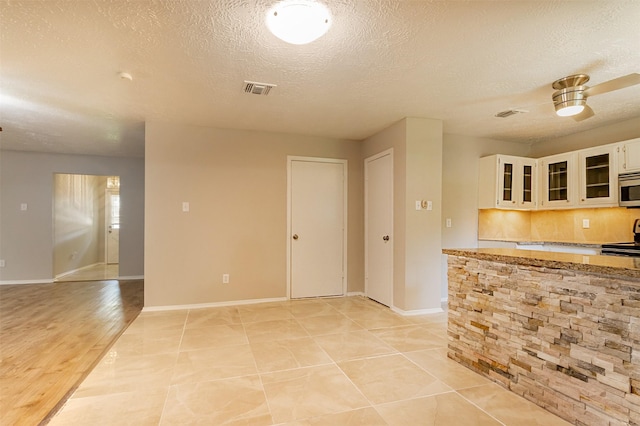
(112, 218)
(379, 227)
(317, 227)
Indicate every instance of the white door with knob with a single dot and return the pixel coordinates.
(112, 218)
(378, 173)
(317, 228)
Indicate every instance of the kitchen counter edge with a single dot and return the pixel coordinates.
(596, 264)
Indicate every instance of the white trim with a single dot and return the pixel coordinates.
(345, 165)
(73, 271)
(131, 277)
(417, 311)
(444, 299)
(13, 282)
(368, 160)
(355, 293)
(211, 305)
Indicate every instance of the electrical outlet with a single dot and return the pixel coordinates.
(1, 263)
(225, 278)
(24, 207)
(448, 222)
(185, 206)
(585, 223)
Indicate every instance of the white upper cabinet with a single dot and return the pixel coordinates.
(507, 182)
(629, 156)
(557, 181)
(598, 177)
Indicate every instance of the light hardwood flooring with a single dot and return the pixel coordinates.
(51, 337)
(334, 362)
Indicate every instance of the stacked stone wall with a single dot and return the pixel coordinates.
(568, 341)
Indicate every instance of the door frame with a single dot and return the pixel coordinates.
(107, 205)
(374, 157)
(290, 160)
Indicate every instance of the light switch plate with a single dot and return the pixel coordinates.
(429, 205)
(185, 206)
(418, 205)
(23, 206)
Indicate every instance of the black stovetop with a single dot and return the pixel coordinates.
(622, 249)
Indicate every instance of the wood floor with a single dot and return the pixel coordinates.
(51, 336)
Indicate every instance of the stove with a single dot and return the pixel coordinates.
(625, 249)
(622, 249)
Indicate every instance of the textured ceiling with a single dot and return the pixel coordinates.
(382, 60)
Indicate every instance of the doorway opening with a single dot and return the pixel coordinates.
(86, 216)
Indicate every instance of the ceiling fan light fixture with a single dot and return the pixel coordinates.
(570, 101)
(298, 21)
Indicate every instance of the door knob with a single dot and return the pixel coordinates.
(295, 236)
(385, 238)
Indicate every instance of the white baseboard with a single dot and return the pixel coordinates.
(211, 305)
(355, 293)
(417, 311)
(444, 300)
(13, 282)
(131, 277)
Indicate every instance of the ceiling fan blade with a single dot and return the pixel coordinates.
(615, 84)
(587, 112)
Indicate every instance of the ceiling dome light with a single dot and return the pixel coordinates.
(570, 101)
(298, 21)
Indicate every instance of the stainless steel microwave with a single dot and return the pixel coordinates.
(629, 190)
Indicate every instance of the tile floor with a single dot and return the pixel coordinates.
(341, 361)
(97, 272)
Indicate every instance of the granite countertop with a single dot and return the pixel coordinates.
(597, 245)
(597, 264)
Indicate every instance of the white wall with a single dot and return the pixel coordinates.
(460, 188)
(26, 237)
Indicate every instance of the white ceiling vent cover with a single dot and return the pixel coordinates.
(256, 88)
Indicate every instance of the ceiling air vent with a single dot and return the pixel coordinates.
(510, 112)
(256, 88)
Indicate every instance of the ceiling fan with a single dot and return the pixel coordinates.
(570, 97)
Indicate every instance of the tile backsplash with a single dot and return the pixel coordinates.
(606, 225)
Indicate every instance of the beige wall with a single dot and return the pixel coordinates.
(235, 182)
(417, 145)
(78, 221)
(26, 237)
(621, 131)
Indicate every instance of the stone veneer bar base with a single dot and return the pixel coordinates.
(567, 340)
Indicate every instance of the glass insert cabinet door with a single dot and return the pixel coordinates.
(507, 184)
(597, 176)
(558, 181)
(527, 183)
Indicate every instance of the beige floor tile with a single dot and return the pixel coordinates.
(310, 392)
(354, 304)
(131, 408)
(286, 354)
(213, 336)
(214, 363)
(352, 345)
(360, 417)
(264, 312)
(154, 322)
(329, 324)
(453, 374)
(445, 409)
(377, 318)
(304, 309)
(236, 401)
(274, 330)
(126, 374)
(149, 342)
(410, 338)
(208, 317)
(510, 408)
(391, 378)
